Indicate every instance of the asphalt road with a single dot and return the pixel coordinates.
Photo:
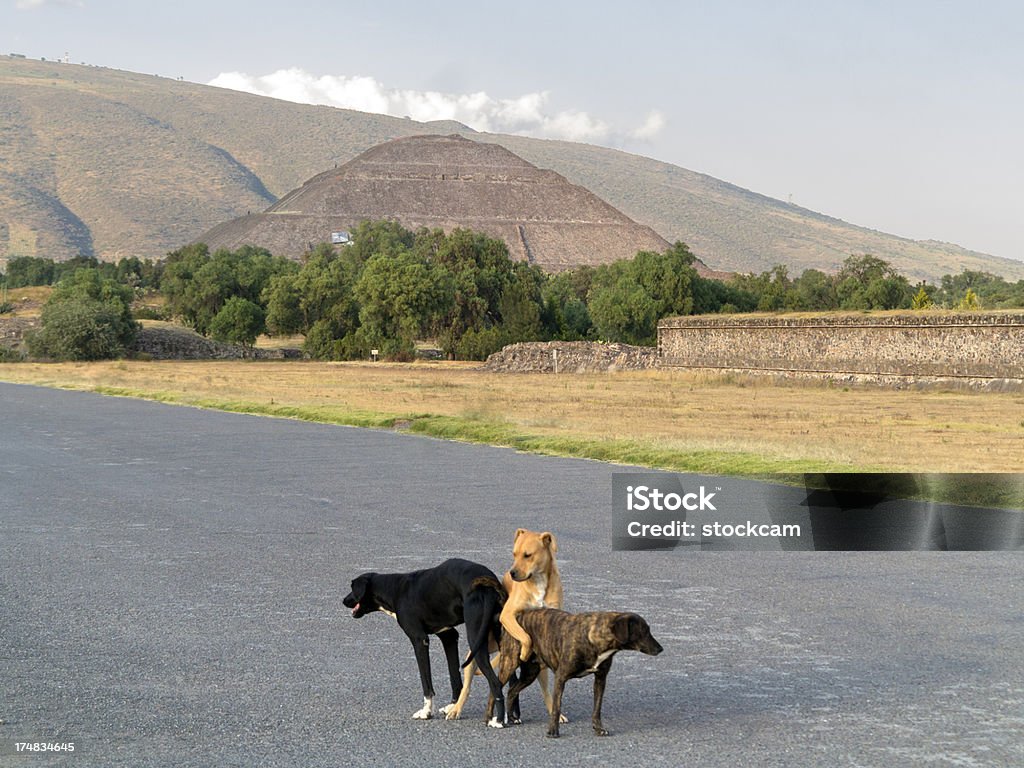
(171, 584)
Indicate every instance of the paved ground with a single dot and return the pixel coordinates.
(171, 584)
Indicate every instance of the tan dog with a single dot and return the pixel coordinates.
(532, 582)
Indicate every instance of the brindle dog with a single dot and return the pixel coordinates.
(572, 645)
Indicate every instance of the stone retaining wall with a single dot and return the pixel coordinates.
(182, 344)
(978, 345)
(570, 357)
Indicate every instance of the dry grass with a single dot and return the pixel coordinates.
(737, 425)
(28, 301)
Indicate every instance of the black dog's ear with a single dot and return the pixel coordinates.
(359, 586)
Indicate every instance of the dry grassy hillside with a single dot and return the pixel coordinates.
(111, 163)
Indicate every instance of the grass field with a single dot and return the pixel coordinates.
(684, 421)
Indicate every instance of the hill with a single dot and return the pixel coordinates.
(110, 163)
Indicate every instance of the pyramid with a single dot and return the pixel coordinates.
(448, 182)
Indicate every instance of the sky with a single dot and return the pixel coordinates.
(905, 116)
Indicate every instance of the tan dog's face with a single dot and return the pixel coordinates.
(532, 553)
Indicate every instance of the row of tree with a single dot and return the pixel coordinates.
(24, 271)
(392, 287)
(867, 283)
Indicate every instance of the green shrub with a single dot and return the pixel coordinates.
(239, 321)
(88, 317)
(479, 345)
(79, 329)
(150, 313)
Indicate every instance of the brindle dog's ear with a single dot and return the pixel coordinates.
(621, 628)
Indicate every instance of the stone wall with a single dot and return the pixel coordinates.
(13, 330)
(183, 344)
(570, 357)
(979, 345)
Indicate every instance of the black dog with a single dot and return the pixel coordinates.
(433, 602)
(572, 645)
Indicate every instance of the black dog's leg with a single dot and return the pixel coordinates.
(483, 662)
(506, 672)
(450, 642)
(556, 706)
(480, 608)
(600, 678)
(421, 646)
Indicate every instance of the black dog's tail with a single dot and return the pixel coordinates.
(493, 596)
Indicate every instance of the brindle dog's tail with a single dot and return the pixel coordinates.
(490, 592)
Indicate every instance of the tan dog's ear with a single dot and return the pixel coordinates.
(519, 532)
(548, 540)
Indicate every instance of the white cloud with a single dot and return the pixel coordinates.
(653, 125)
(31, 5)
(527, 114)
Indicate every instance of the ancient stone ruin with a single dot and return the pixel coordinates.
(570, 357)
(448, 182)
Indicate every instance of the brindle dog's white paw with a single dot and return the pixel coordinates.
(562, 718)
(495, 723)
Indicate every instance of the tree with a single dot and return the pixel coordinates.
(991, 290)
(921, 299)
(239, 321)
(867, 282)
(372, 238)
(77, 329)
(479, 345)
(399, 298)
(24, 271)
(87, 317)
(565, 315)
(813, 291)
(180, 269)
(776, 287)
(969, 301)
(319, 293)
(624, 311)
(627, 298)
(197, 285)
(667, 278)
(481, 275)
(520, 306)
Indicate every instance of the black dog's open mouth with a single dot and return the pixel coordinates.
(355, 609)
